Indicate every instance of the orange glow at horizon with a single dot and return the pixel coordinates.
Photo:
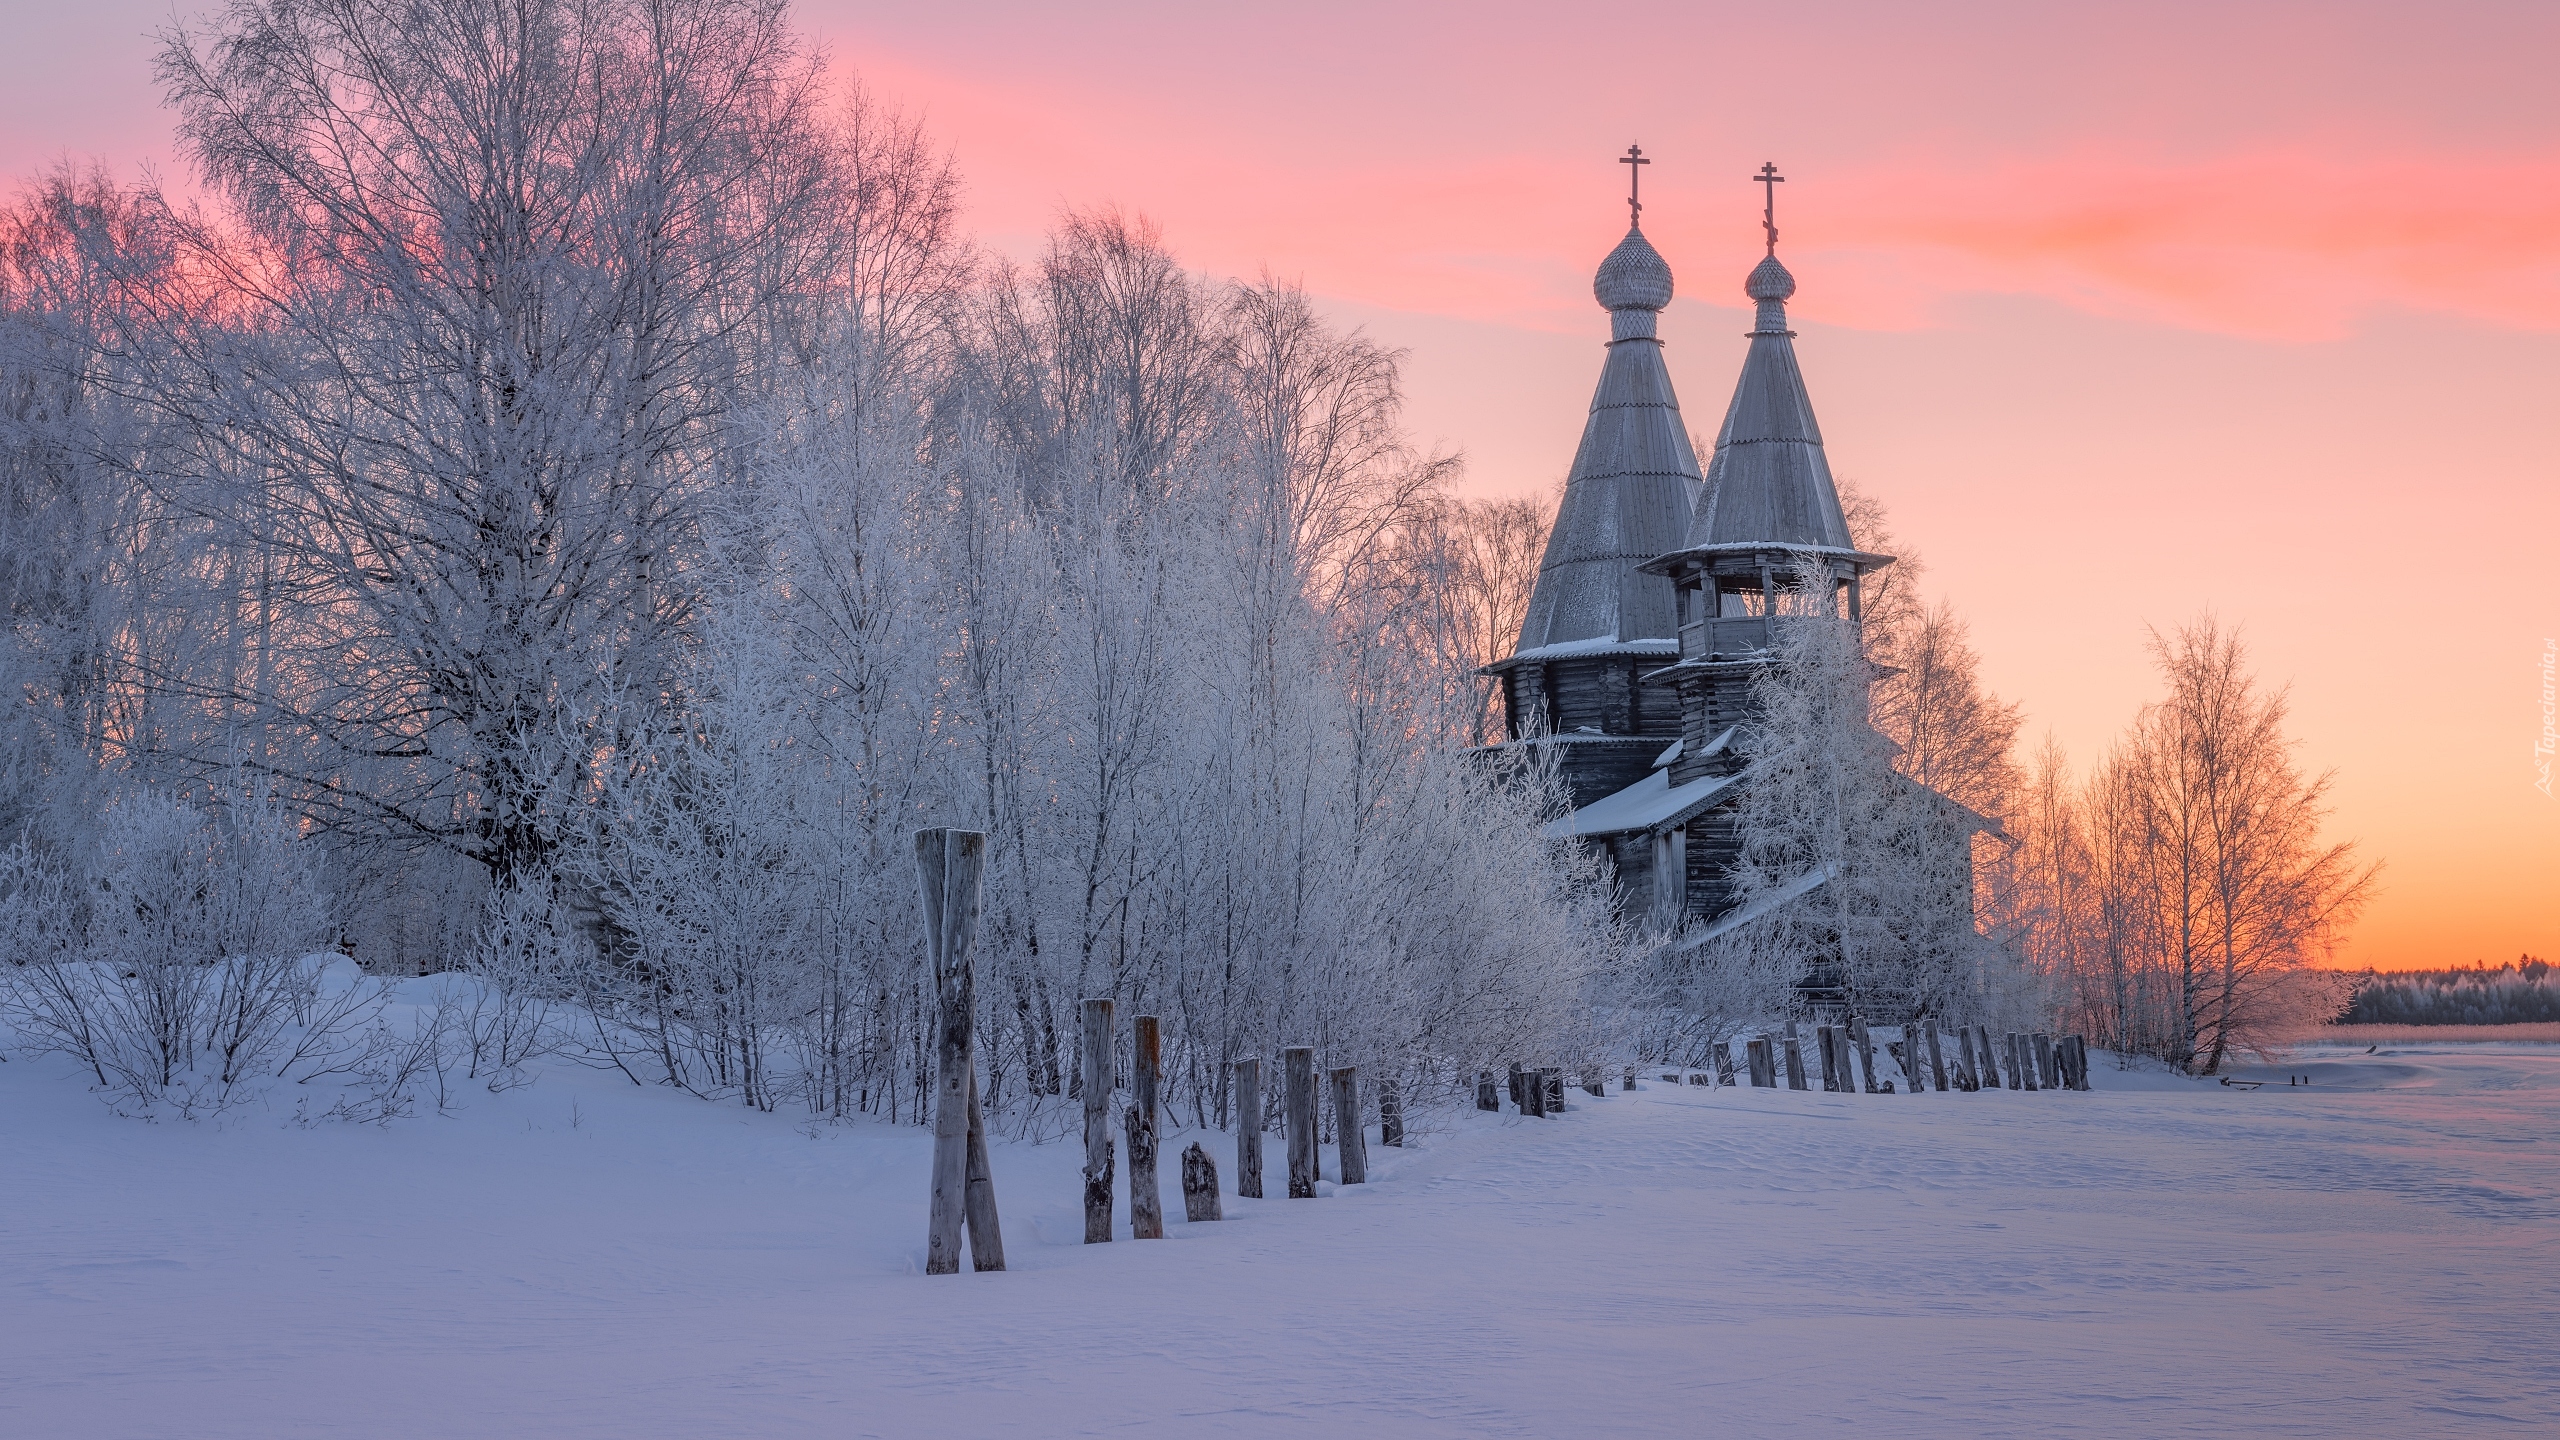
(2126, 312)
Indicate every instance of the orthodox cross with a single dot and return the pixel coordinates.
(1770, 180)
(1633, 158)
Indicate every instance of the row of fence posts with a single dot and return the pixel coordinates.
(2031, 1060)
(1300, 1106)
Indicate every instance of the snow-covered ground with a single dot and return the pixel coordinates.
(2375, 1255)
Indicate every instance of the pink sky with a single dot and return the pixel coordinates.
(2125, 310)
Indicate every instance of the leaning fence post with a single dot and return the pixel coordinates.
(2014, 1052)
(1795, 1060)
(1983, 1054)
(1146, 1201)
(1249, 1129)
(2046, 1070)
(1833, 1061)
(1097, 1122)
(1866, 1053)
(1937, 1061)
(1301, 1104)
(1199, 1185)
(949, 864)
(1350, 1141)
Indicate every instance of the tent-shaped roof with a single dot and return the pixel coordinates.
(1769, 483)
(1633, 482)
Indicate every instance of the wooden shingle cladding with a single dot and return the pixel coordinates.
(1634, 481)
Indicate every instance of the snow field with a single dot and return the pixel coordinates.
(2371, 1256)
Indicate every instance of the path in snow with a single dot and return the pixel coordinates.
(2372, 1256)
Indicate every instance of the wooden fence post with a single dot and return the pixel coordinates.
(1390, 1114)
(1519, 1097)
(1630, 1078)
(1488, 1096)
(1146, 1200)
(2014, 1053)
(1764, 1069)
(1533, 1092)
(1301, 1105)
(1937, 1060)
(1249, 1128)
(1097, 1083)
(1199, 1186)
(1830, 1061)
(2047, 1068)
(1968, 1078)
(1989, 1062)
(949, 864)
(986, 1233)
(1866, 1054)
(1350, 1141)
(1795, 1060)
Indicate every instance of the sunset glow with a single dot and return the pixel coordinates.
(2127, 312)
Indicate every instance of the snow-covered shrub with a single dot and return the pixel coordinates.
(189, 955)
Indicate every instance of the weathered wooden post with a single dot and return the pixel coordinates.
(2046, 1070)
(986, 1234)
(1519, 1096)
(1724, 1062)
(1551, 1080)
(1937, 1060)
(1349, 1139)
(2013, 1054)
(1249, 1129)
(949, 864)
(1390, 1114)
(1097, 1082)
(1533, 1092)
(1595, 1081)
(1764, 1066)
(1199, 1186)
(1488, 1095)
(1795, 1060)
(1301, 1105)
(1983, 1055)
(1146, 1200)
(1968, 1079)
(1866, 1054)
(2080, 1062)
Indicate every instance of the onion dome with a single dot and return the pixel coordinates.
(1634, 276)
(1770, 281)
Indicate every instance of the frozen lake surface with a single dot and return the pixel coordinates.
(2376, 1254)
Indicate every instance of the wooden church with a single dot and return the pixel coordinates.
(1656, 598)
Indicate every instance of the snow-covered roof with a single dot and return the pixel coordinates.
(1596, 645)
(1648, 804)
(1764, 906)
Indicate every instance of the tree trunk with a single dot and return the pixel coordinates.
(1390, 1114)
(1146, 1201)
(1097, 1082)
(1350, 1140)
(1301, 1105)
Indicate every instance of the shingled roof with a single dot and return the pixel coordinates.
(1634, 478)
(1768, 483)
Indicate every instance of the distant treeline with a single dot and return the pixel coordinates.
(2519, 992)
